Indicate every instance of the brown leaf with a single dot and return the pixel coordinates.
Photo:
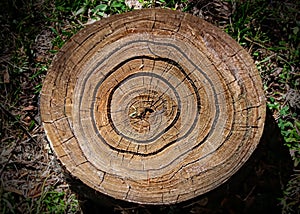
(14, 190)
(6, 78)
(29, 108)
(27, 120)
(276, 72)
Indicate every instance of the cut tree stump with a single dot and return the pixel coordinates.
(152, 106)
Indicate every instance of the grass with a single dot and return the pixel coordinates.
(51, 201)
(256, 28)
(271, 34)
(269, 30)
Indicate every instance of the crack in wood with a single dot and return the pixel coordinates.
(160, 102)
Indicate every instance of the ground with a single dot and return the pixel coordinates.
(32, 180)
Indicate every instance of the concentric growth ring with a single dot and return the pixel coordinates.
(153, 106)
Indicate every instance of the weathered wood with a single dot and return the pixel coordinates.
(153, 106)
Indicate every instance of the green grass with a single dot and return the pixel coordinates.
(271, 34)
(56, 202)
(52, 202)
(256, 27)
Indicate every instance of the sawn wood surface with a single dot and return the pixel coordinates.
(153, 106)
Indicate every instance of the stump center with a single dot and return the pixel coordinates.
(140, 112)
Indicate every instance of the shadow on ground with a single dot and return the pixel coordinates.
(256, 188)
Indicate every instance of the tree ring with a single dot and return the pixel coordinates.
(153, 106)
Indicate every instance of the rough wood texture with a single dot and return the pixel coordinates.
(153, 106)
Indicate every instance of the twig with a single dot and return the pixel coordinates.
(256, 43)
(264, 47)
(8, 62)
(4, 163)
(251, 191)
(19, 123)
(43, 193)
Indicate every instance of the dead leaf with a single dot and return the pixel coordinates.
(29, 108)
(135, 4)
(6, 78)
(276, 72)
(14, 190)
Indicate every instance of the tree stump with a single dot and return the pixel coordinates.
(152, 106)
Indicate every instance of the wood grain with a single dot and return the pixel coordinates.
(152, 106)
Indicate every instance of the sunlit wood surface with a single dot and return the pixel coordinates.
(153, 106)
